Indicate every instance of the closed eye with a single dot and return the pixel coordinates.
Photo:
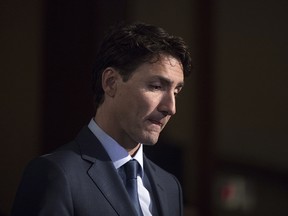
(177, 91)
(155, 87)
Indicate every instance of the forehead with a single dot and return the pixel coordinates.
(164, 66)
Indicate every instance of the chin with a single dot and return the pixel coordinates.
(149, 144)
(150, 141)
(148, 138)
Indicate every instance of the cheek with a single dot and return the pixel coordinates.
(147, 103)
(137, 104)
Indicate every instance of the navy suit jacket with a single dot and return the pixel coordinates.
(79, 179)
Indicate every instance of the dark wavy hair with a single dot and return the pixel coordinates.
(128, 46)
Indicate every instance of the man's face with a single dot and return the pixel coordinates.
(144, 104)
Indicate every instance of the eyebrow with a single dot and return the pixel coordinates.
(168, 81)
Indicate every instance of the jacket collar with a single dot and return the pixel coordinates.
(103, 173)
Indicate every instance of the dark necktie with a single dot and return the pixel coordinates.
(131, 168)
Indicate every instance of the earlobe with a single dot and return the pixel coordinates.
(109, 81)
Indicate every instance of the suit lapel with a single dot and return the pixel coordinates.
(111, 186)
(104, 174)
(158, 191)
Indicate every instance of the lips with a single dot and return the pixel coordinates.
(159, 123)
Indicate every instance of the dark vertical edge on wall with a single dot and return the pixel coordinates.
(205, 106)
(72, 33)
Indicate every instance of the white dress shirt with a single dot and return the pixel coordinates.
(119, 157)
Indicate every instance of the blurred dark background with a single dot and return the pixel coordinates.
(228, 143)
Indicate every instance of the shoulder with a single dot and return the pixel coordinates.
(65, 154)
(55, 162)
(66, 159)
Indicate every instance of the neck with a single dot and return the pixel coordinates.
(107, 124)
(133, 151)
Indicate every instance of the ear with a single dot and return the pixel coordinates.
(110, 77)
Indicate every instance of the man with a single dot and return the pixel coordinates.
(139, 71)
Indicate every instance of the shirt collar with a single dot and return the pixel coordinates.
(116, 152)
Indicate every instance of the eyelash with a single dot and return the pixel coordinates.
(159, 87)
(156, 87)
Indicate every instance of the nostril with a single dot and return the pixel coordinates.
(165, 113)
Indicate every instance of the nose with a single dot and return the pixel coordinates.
(167, 105)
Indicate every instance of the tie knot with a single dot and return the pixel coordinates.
(131, 169)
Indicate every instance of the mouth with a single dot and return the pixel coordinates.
(155, 122)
